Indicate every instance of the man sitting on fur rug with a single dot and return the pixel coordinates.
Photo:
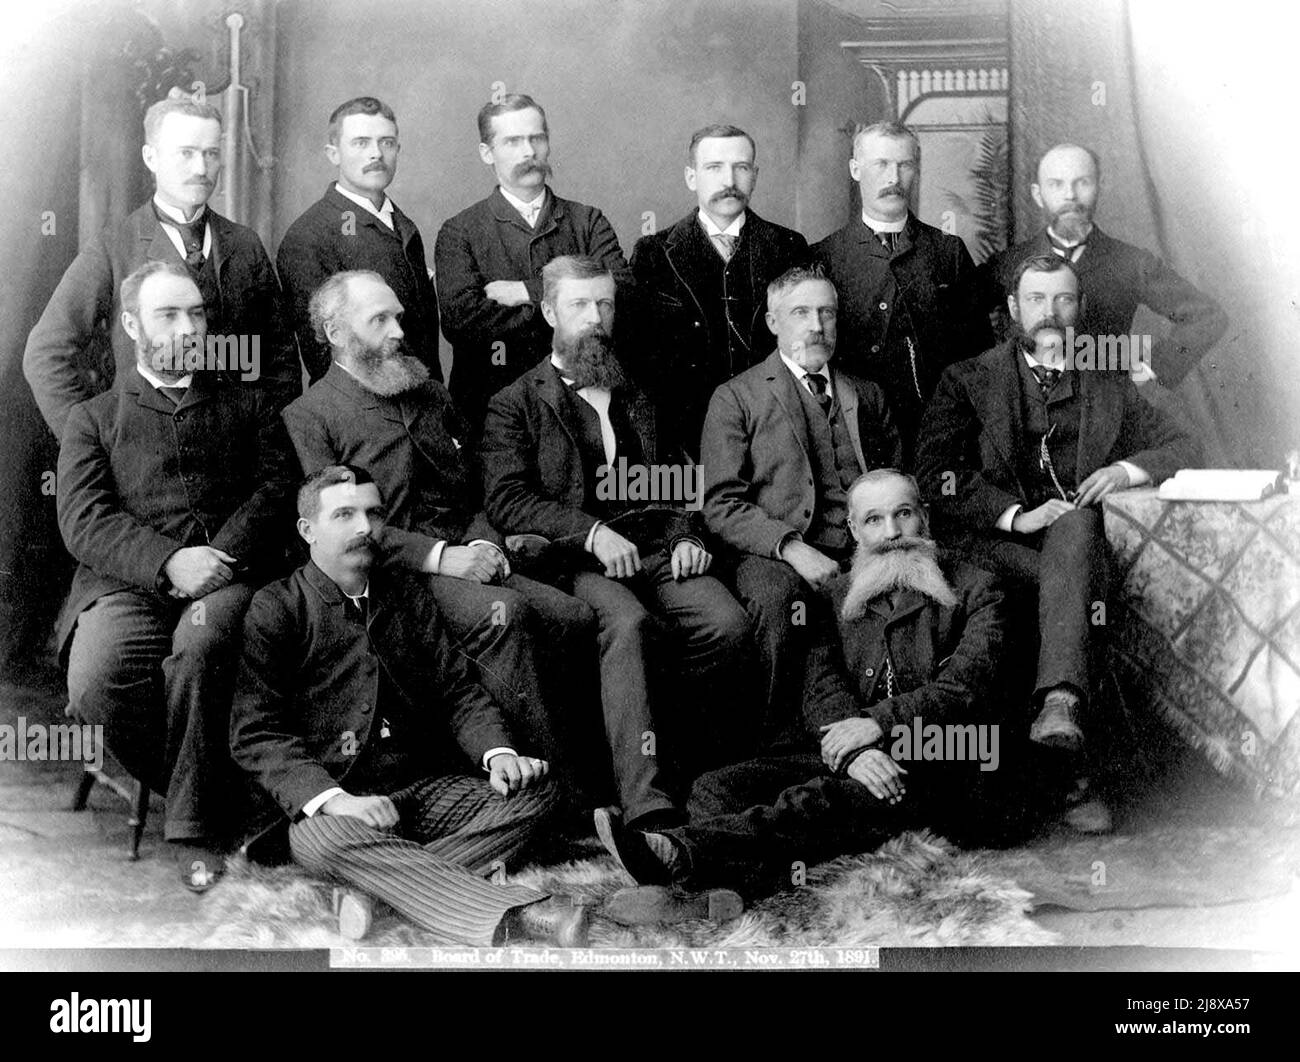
(899, 720)
(346, 704)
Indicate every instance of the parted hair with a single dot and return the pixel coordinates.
(1041, 263)
(890, 130)
(717, 131)
(359, 105)
(569, 267)
(515, 101)
(131, 285)
(793, 277)
(310, 491)
(175, 103)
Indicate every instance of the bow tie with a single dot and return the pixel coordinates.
(1069, 251)
(1046, 379)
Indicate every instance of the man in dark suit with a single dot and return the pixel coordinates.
(914, 649)
(701, 284)
(378, 408)
(782, 442)
(909, 305)
(1017, 448)
(356, 226)
(567, 451)
(489, 258)
(1115, 277)
(173, 489)
(75, 352)
(354, 713)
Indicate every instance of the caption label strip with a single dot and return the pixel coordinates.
(605, 958)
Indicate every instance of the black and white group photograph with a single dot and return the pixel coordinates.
(636, 486)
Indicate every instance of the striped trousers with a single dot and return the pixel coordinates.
(453, 831)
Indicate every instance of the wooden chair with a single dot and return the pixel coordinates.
(138, 801)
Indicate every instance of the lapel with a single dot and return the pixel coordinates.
(847, 397)
(1101, 416)
(869, 245)
(363, 216)
(550, 390)
(223, 240)
(690, 252)
(1004, 418)
(149, 231)
(781, 384)
(547, 220)
(350, 395)
(146, 395)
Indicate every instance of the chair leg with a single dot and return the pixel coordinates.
(138, 818)
(84, 787)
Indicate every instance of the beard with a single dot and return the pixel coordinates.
(1069, 222)
(589, 360)
(384, 369)
(1028, 339)
(907, 563)
(164, 358)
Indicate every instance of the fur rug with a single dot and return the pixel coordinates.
(916, 890)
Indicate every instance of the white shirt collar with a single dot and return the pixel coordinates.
(354, 598)
(170, 213)
(884, 226)
(711, 226)
(1062, 241)
(173, 213)
(529, 211)
(384, 213)
(1034, 363)
(156, 383)
(800, 372)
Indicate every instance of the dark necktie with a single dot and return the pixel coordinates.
(176, 394)
(1067, 251)
(817, 384)
(1046, 379)
(725, 244)
(889, 240)
(191, 235)
(356, 610)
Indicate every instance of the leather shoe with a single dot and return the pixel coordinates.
(557, 921)
(1056, 726)
(355, 912)
(654, 904)
(630, 849)
(200, 867)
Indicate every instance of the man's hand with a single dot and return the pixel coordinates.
(616, 553)
(198, 570)
(508, 292)
(847, 736)
(813, 566)
(479, 563)
(690, 558)
(1026, 523)
(508, 774)
(376, 811)
(880, 774)
(1102, 482)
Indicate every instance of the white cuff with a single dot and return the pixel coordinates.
(1009, 517)
(319, 801)
(433, 562)
(487, 756)
(1136, 476)
(591, 535)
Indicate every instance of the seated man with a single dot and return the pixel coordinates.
(348, 699)
(551, 444)
(782, 442)
(914, 644)
(378, 408)
(1017, 449)
(172, 489)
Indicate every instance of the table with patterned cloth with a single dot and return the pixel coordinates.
(1208, 626)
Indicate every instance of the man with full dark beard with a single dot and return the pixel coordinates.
(489, 257)
(377, 408)
(1018, 448)
(912, 643)
(551, 443)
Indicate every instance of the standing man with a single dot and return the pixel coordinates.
(550, 445)
(909, 305)
(782, 443)
(489, 258)
(173, 492)
(1017, 449)
(394, 769)
(75, 352)
(701, 284)
(356, 226)
(1115, 277)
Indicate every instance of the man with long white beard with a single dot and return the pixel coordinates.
(377, 407)
(914, 642)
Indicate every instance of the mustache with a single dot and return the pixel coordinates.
(890, 189)
(728, 193)
(359, 544)
(907, 563)
(376, 167)
(531, 166)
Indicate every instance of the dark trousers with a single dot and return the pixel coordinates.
(453, 832)
(751, 823)
(158, 675)
(663, 643)
(1069, 563)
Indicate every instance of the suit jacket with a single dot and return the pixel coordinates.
(79, 346)
(973, 437)
(948, 662)
(533, 473)
(756, 454)
(140, 478)
(413, 446)
(931, 279)
(679, 348)
(309, 678)
(335, 234)
(490, 241)
(1115, 278)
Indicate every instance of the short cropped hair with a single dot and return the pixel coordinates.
(717, 131)
(889, 130)
(1041, 263)
(130, 289)
(310, 491)
(569, 267)
(1096, 159)
(330, 300)
(175, 104)
(515, 101)
(875, 475)
(360, 105)
(793, 277)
